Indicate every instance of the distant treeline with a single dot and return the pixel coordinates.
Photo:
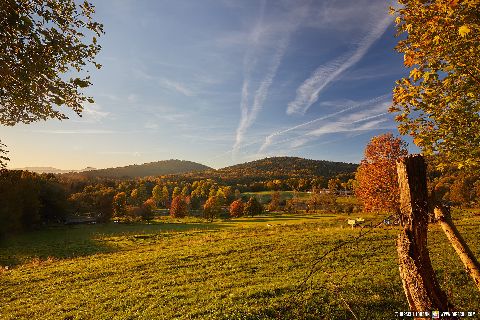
(29, 200)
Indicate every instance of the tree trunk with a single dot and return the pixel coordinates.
(419, 282)
(442, 214)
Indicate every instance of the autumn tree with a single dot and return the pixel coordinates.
(44, 47)
(148, 206)
(97, 199)
(120, 204)
(165, 196)
(438, 103)
(186, 191)
(376, 176)
(212, 208)
(274, 202)
(222, 198)
(157, 194)
(176, 191)
(236, 208)
(334, 185)
(179, 207)
(139, 195)
(462, 190)
(252, 207)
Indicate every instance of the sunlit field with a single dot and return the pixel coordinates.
(245, 268)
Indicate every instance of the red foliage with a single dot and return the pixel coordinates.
(236, 208)
(179, 207)
(377, 175)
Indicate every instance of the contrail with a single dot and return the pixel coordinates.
(249, 62)
(309, 91)
(269, 139)
(249, 115)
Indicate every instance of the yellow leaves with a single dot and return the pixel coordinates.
(418, 141)
(427, 75)
(436, 39)
(409, 27)
(429, 91)
(464, 30)
(415, 74)
(409, 59)
(393, 109)
(472, 3)
(398, 20)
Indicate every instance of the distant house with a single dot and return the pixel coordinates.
(85, 218)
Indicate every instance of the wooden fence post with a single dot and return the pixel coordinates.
(418, 278)
(442, 214)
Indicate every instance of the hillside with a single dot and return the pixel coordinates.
(275, 168)
(258, 170)
(52, 170)
(157, 168)
(283, 167)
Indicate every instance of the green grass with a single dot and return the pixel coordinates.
(246, 268)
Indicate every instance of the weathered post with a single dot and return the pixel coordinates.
(419, 282)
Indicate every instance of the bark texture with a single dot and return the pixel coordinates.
(419, 282)
(442, 214)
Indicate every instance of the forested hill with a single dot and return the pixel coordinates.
(275, 168)
(284, 167)
(158, 168)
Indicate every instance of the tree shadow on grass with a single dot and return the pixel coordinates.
(63, 242)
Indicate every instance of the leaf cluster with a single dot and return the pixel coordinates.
(45, 44)
(438, 103)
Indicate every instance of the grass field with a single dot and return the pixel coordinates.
(246, 268)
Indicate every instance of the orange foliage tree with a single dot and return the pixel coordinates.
(212, 208)
(236, 208)
(376, 176)
(179, 207)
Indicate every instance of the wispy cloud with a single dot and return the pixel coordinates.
(93, 113)
(175, 86)
(343, 126)
(381, 101)
(163, 82)
(249, 112)
(79, 131)
(309, 91)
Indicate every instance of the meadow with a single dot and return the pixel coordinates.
(244, 268)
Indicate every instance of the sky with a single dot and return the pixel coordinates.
(221, 82)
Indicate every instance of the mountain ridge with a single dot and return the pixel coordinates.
(53, 170)
(270, 167)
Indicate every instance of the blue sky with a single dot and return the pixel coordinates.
(226, 81)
